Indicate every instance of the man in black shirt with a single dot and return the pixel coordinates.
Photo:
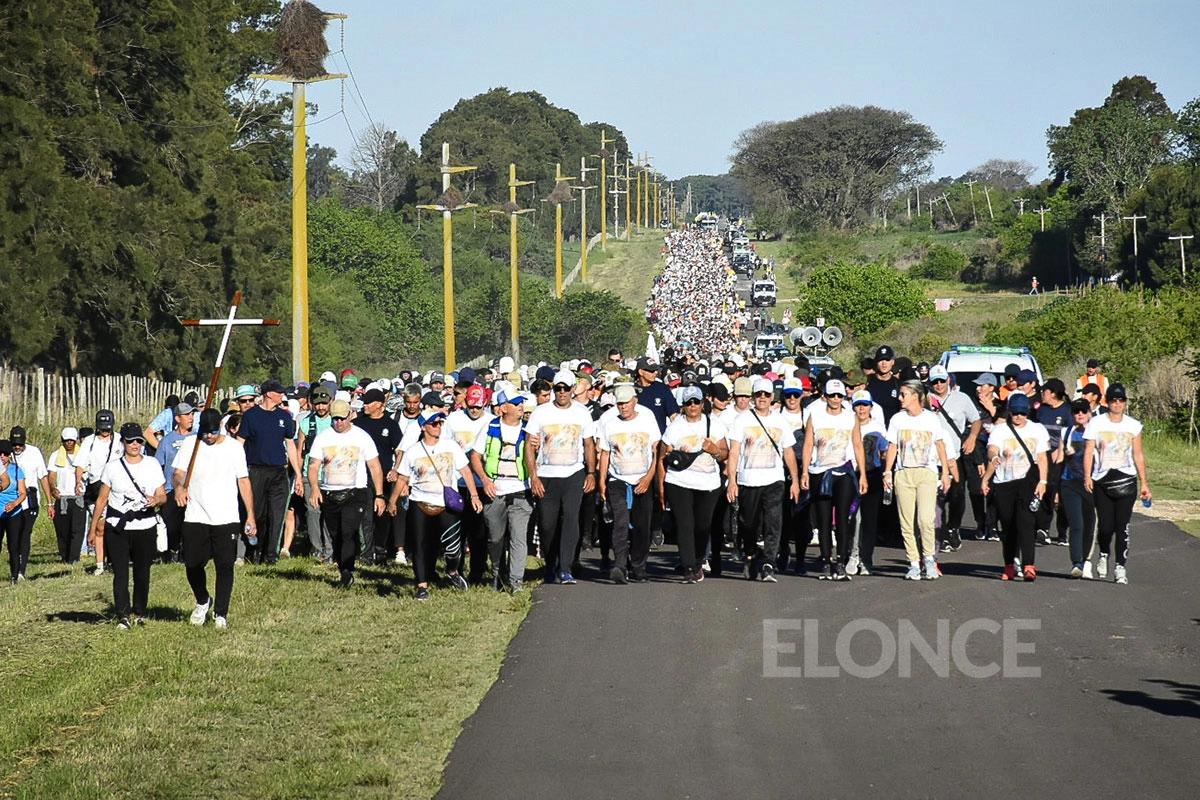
(377, 531)
(268, 433)
(883, 385)
(653, 393)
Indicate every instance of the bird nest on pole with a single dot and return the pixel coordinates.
(302, 46)
(560, 195)
(510, 207)
(451, 199)
(604, 152)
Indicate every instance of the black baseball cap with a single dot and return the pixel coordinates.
(132, 432)
(1115, 392)
(210, 421)
(17, 435)
(105, 420)
(884, 353)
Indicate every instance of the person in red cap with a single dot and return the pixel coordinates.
(464, 426)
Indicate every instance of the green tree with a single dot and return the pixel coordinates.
(864, 298)
(834, 166)
(941, 263)
(1170, 202)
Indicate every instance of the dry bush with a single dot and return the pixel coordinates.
(1164, 387)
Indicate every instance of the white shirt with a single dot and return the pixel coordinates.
(704, 474)
(1114, 444)
(760, 462)
(506, 481)
(960, 409)
(430, 469)
(64, 476)
(464, 430)
(93, 453)
(213, 488)
(916, 439)
(833, 438)
(33, 464)
(629, 443)
(125, 496)
(343, 458)
(562, 431)
(1016, 464)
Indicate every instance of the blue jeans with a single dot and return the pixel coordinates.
(1081, 516)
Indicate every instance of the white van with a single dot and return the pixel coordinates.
(968, 361)
(763, 293)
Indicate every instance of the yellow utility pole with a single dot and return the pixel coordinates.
(560, 195)
(604, 143)
(639, 191)
(583, 187)
(448, 205)
(628, 202)
(300, 363)
(513, 212)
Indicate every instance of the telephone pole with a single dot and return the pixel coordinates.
(1134, 218)
(1042, 212)
(603, 154)
(1021, 201)
(1182, 257)
(971, 186)
(583, 187)
(988, 195)
(513, 212)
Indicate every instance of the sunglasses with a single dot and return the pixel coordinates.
(694, 403)
(939, 380)
(339, 419)
(436, 423)
(562, 388)
(1019, 414)
(132, 441)
(838, 396)
(245, 399)
(763, 394)
(1085, 411)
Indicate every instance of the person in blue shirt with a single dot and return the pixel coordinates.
(269, 435)
(12, 496)
(168, 448)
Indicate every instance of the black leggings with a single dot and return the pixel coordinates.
(869, 517)
(558, 519)
(12, 527)
(431, 533)
(840, 499)
(218, 543)
(1112, 516)
(1012, 500)
(693, 511)
(122, 548)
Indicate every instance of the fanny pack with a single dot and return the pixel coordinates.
(1119, 487)
(679, 460)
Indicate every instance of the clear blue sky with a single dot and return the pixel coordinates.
(683, 79)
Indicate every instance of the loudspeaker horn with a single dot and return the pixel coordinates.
(810, 337)
(832, 336)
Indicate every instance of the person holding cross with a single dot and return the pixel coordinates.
(208, 495)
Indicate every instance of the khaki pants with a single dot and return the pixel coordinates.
(916, 497)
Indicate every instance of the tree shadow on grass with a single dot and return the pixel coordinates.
(1186, 703)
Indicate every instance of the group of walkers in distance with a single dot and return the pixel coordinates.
(740, 461)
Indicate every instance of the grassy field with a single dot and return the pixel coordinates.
(312, 692)
(627, 268)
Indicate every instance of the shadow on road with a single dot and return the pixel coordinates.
(1185, 704)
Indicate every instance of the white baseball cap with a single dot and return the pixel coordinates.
(835, 386)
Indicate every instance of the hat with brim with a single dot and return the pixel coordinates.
(431, 416)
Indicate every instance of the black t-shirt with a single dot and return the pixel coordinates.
(385, 432)
(1055, 420)
(886, 395)
(264, 434)
(658, 398)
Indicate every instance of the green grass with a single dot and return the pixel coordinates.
(1173, 466)
(312, 692)
(627, 269)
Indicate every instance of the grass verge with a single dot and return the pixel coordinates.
(312, 692)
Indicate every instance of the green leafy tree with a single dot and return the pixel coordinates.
(579, 324)
(833, 167)
(1170, 202)
(941, 263)
(864, 298)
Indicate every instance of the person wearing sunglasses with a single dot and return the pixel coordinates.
(1115, 468)
(832, 450)
(131, 489)
(343, 467)
(560, 454)
(1015, 476)
(212, 520)
(464, 425)
(961, 420)
(627, 438)
(310, 425)
(1078, 503)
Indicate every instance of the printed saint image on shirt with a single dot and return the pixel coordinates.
(1114, 449)
(915, 448)
(829, 447)
(340, 464)
(694, 443)
(432, 476)
(507, 468)
(758, 452)
(560, 444)
(631, 452)
(1015, 463)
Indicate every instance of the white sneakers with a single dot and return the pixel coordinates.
(221, 623)
(1119, 575)
(1087, 571)
(401, 558)
(1102, 567)
(200, 612)
(852, 565)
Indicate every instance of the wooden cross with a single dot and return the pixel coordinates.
(228, 322)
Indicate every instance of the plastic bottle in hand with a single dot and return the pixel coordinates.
(252, 539)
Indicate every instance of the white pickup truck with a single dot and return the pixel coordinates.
(763, 293)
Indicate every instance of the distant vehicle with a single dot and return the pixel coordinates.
(767, 341)
(763, 293)
(706, 221)
(776, 353)
(818, 363)
(966, 362)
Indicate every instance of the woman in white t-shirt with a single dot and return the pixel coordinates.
(916, 451)
(833, 450)
(1012, 481)
(430, 466)
(132, 488)
(692, 492)
(874, 439)
(1112, 460)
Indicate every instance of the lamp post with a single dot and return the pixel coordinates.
(290, 71)
(448, 203)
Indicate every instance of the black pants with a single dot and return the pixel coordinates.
(760, 511)
(69, 518)
(125, 547)
(558, 519)
(868, 513)
(839, 501)
(28, 517)
(474, 534)
(630, 544)
(172, 516)
(718, 529)
(270, 486)
(693, 512)
(343, 514)
(1016, 520)
(1112, 517)
(1045, 514)
(431, 533)
(11, 527)
(218, 543)
(983, 508)
(956, 500)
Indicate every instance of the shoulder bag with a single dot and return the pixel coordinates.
(160, 525)
(451, 498)
(1033, 477)
(679, 460)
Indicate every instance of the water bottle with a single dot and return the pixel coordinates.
(1035, 504)
(1147, 502)
(606, 513)
(888, 494)
(252, 540)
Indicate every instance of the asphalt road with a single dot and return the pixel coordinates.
(661, 690)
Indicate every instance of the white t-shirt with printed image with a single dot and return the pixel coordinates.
(431, 468)
(343, 458)
(1016, 464)
(760, 462)
(833, 438)
(562, 432)
(916, 439)
(1114, 444)
(704, 474)
(630, 444)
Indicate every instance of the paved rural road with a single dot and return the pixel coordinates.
(658, 690)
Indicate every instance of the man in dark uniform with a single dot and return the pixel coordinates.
(884, 386)
(268, 433)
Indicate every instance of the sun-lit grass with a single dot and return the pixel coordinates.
(1173, 465)
(312, 692)
(627, 268)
